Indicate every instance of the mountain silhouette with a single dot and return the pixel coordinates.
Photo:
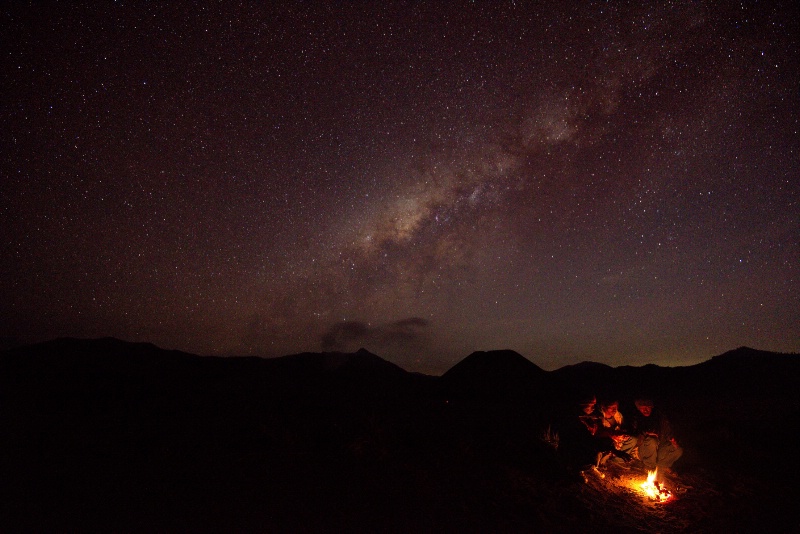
(109, 435)
(361, 362)
(749, 370)
(496, 375)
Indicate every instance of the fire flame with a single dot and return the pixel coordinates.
(653, 489)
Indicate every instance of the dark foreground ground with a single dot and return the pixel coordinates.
(110, 436)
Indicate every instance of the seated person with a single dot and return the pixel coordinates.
(588, 416)
(578, 443)
(613, 429)
(657, 446)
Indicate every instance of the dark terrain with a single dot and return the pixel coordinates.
(104, 435)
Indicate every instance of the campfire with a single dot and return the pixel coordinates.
(653, 489)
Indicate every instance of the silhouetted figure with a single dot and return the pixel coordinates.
(657, 445)
(578, 442)
(588, 415)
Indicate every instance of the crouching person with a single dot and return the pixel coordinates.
(578, 444)
(613, 429)
(657, 446)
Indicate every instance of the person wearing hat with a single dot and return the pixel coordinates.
(657, 446)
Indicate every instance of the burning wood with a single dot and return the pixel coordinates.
(592, 471)
(653, 489)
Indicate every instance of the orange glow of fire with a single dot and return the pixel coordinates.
(654, 490)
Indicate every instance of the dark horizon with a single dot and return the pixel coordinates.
(69, 340)
(571, 181)
(105, 435)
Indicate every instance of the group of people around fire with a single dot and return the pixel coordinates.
(602, 434)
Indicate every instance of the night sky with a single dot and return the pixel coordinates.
(577, 181)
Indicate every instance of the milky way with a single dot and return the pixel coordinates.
(592, 181)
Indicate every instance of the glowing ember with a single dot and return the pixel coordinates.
(654, 490)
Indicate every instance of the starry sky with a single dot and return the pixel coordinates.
(574, 181)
